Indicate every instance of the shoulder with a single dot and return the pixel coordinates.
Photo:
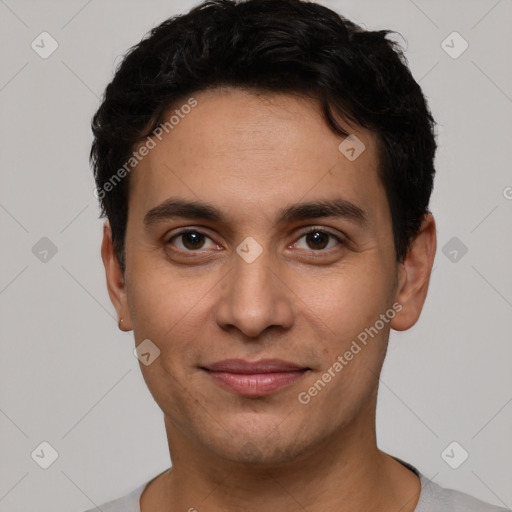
(128, 503)
(435, 498)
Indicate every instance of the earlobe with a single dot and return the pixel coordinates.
(115, 279)
(414, 275)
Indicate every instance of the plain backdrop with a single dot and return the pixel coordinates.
(68, 375)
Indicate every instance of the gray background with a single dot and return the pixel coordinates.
(68, 375)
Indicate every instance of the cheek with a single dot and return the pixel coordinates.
(174, 312)
(162, 299)
(350, 298)
(171, 313)
(349, 303)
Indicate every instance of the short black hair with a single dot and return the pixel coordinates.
(280, 46)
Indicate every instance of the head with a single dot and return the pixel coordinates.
(265, 168)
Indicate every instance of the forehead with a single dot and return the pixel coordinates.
(241, 150)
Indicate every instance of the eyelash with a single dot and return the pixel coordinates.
(311, 230)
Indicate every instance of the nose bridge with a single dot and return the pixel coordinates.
(254, 298)
(251, 281)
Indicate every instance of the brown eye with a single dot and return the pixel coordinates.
(317, 240)
(193, 240)
(188, 241)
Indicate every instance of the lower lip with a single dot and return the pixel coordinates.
(257, 384)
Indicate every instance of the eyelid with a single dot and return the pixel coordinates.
(323, 229)
(184, 230)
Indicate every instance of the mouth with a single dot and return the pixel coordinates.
(253, 379)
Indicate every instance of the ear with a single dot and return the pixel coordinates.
(414, 275)
(115, 279)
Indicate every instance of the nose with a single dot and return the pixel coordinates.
(255, 298)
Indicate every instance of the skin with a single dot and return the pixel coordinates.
(250, 155)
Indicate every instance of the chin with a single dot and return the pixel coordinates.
(253, 455)
(261, 450)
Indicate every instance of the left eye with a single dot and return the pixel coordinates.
(318, 240)
(192, 241)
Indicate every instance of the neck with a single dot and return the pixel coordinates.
(345, 471)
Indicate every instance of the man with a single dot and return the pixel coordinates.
(265, 168)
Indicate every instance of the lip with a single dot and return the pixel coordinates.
(248, 367)
(257, 378)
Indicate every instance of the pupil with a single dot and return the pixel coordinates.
(193, 240)
(319, 239)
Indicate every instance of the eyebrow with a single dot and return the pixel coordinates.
(339, 207)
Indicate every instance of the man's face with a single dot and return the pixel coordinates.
(304, 299)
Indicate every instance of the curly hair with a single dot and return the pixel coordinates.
(280, 46)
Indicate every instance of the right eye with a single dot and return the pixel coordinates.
(191, 240)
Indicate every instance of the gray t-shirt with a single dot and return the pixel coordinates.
(433, 498)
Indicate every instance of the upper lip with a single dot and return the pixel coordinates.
(248, 367)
